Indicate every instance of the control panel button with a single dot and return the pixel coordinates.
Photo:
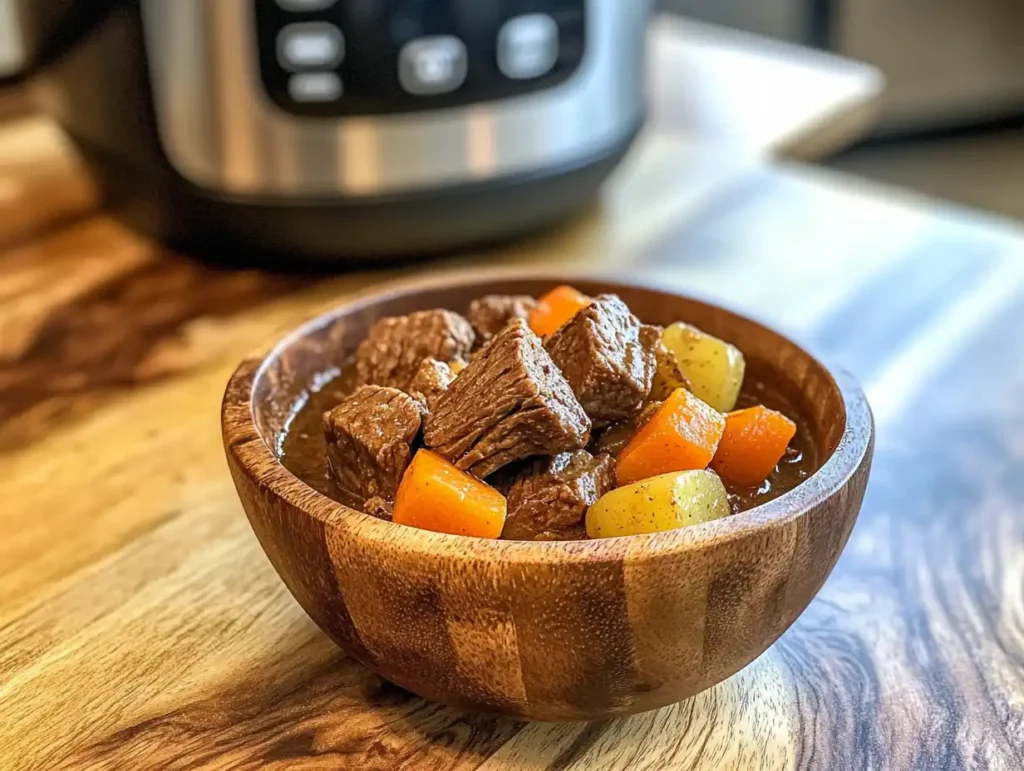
(300, 6)
(315, 87)
(310, 46)
(528, 46)
(395, 57)
(432, 65)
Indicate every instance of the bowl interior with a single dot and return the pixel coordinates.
(315, 354)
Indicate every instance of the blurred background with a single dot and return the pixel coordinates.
(950, 123)
(952, 118)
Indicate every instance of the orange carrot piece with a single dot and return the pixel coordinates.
(754, 441)
(435, 495)
(555, 308)
(681, 436)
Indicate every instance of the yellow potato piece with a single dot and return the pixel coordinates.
(665, 502)
(714, 368)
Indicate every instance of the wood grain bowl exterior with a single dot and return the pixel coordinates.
(547, 631)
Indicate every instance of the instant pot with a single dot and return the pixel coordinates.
(341, 129)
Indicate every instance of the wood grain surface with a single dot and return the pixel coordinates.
(141, 626)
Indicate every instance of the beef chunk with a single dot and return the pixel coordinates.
(615, 438)
(554, 494)
(369, 440)
(511, 402)
(379, 508)
(396, 346)
(503, 479)
(490, 314)
(649, 337)
(608, 357)
(431, 380)
(669, 375)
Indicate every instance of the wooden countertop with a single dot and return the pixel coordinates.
(141, 626)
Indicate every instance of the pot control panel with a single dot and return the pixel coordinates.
(324, 58)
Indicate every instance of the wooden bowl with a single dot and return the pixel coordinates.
(547, 631)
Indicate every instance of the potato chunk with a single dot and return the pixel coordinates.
(714, 367)
(665, 502)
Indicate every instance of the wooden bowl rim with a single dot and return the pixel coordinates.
(257, 459)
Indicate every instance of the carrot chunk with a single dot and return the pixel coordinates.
(754, 441)
(555, 308)
(435, 495)
(681, 436)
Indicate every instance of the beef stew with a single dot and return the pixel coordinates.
(517, 418)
